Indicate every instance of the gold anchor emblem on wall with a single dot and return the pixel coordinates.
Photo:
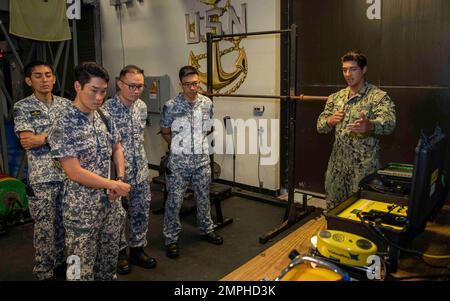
(222, 78)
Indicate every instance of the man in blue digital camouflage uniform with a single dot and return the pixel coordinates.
(185, 122)
(33, 117)
(84, 142)
(359, 114)
(129, 113)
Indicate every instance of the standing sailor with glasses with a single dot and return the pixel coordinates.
(129, 113)
(185, 123)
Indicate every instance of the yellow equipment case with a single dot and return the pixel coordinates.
(389, 212)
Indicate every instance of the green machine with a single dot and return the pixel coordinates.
(13, 203)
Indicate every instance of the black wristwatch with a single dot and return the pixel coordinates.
(119, 179)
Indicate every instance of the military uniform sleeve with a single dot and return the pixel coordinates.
(60, 141)
(106, 107)
(322, 125)
(66, 103)
(21, 122)
(211, 117)
(384, 113)
(143, 108)
(114, 132)
(144, 113)
(166, 118)
(112, 127)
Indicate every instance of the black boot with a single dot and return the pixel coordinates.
(172, 251)
(212, 238)
(139, 258)
(123, 266)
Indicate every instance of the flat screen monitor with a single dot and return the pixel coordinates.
(428, 191)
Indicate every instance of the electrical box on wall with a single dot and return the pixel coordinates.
(157, 92)
(258, 110)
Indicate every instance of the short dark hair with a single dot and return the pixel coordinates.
(130, 69)
(28, 69)
(187, 70)
(356, 56)
(87, 70)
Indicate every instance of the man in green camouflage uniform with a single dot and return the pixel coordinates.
(359, 114)
(33, 117)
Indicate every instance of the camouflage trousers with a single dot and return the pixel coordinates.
(137, 216)
(93, 236)
(46, 210)
(342, 182)
(177, 182)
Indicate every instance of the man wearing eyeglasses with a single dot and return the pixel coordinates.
(359, 114)
(185, 122)
(129, 113)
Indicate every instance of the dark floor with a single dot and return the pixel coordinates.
(198, 259)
